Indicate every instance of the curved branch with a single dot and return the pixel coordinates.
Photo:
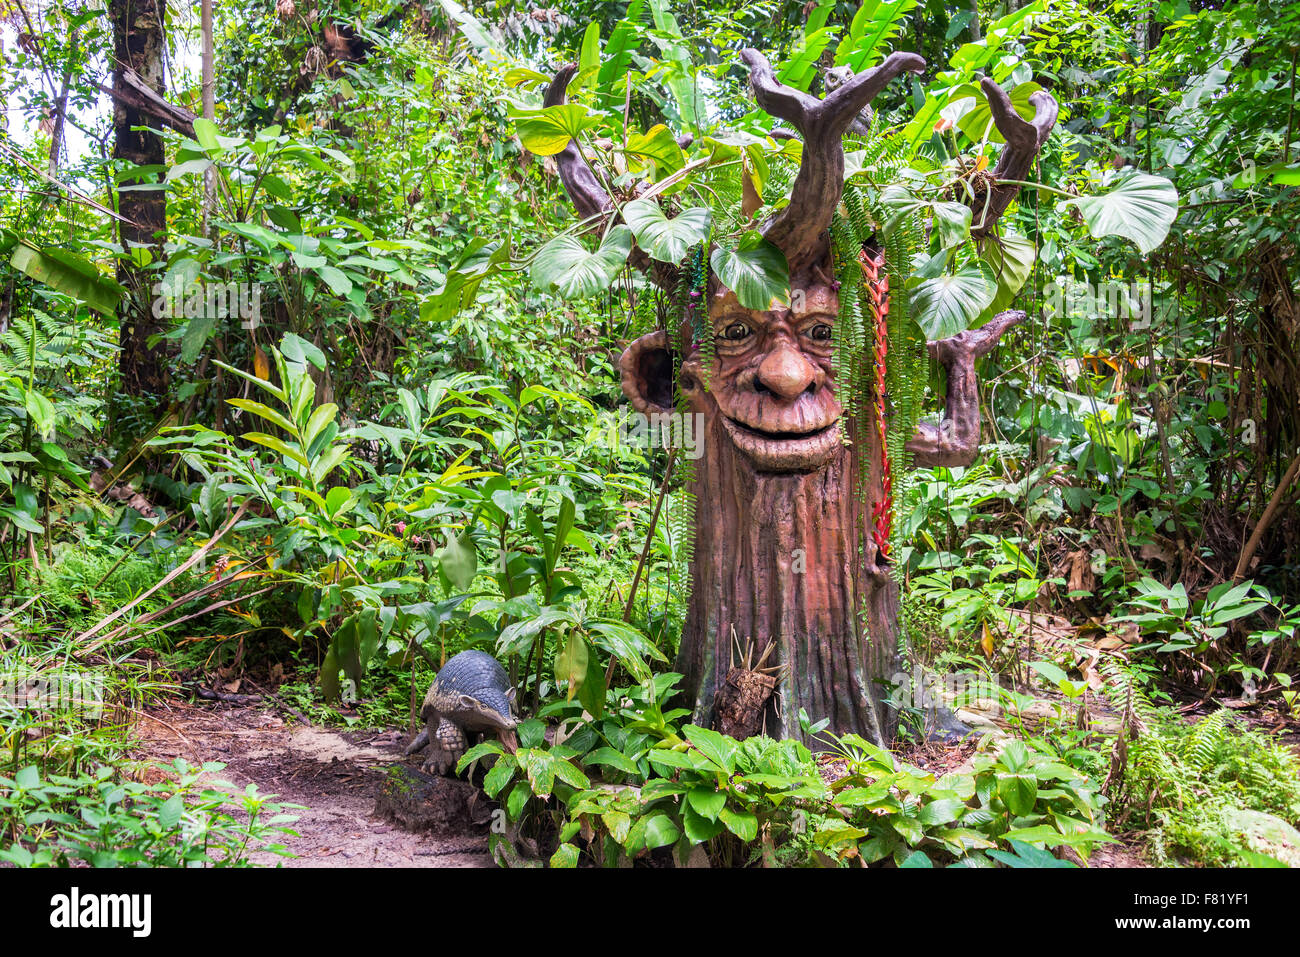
(800, 229)
(1023, 141)
(955, 440)
(588, 196)
(586, 192)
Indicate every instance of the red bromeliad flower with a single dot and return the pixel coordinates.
(882, 512)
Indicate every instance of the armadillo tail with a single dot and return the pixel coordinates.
(420, 743)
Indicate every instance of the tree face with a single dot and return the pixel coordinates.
(772, 383)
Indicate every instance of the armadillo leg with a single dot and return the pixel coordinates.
(446, 745)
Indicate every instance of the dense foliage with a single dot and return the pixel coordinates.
(386, 423)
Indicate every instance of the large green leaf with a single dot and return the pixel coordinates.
(566, 266)
(660, 147)
(666, 239)
(1011, 257)
(947, 305)
(68, 273)
(977, 122)
(756, 271)
(1140, 207)
(547, 131)
(459, 560)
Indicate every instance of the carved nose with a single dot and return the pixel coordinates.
(785, 372)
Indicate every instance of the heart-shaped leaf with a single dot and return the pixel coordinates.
(1140, 207)
(756, 271)
(666, 239)
(660, 147)
(947, 305)
(1011, 257)
(566, 266)
(548, 131)
(978, 120)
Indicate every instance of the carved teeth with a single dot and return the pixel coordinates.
(781, 452)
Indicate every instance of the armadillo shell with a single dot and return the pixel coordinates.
(475, 674)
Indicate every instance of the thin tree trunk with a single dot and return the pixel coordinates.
(139, 42)
(209, 104)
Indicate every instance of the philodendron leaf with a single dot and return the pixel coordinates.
(659, 146)
(947, 305)
(666, 239)
(1011, 257)
(1138, 206)
(548, 131)
(977, 122)
(566, 266)
(756, 271)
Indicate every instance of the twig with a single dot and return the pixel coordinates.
(1265, 520)
(173, 574)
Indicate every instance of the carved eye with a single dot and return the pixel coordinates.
(735, 332)
(820, 332)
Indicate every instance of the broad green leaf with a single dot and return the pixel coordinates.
(660, 831)
(41, 412)
(571, 663)
(707, 801)
(977, 122)
(459, 560)
(590, 55)
(566, 266)
(947, 305)
(713, 746)
(1011, 257)
(756, 271)
(614, 759)
(68, 273)
(566, 855)
(666, 240)
(549, 130)
(1138, 206)
(659, 146)
(743, 824)
(336, 279)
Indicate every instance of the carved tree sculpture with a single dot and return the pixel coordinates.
(782, 553)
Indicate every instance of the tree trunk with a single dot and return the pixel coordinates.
(785, 558)
(139, 46)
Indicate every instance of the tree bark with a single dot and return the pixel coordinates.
(785, 558)
(138, 46)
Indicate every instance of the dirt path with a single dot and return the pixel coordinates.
(337, 775)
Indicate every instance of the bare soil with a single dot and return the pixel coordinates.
(337, 775)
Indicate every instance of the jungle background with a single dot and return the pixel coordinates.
(378, 434)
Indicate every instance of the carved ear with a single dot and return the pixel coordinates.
(647, 368)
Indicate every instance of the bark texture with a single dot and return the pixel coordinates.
(138, 48)
(778, 556)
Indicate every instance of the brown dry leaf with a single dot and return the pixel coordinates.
(1081, 576)
(750, 201)
(261, 365)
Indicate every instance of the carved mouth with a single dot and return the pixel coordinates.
(785, 451)
(780, 436)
